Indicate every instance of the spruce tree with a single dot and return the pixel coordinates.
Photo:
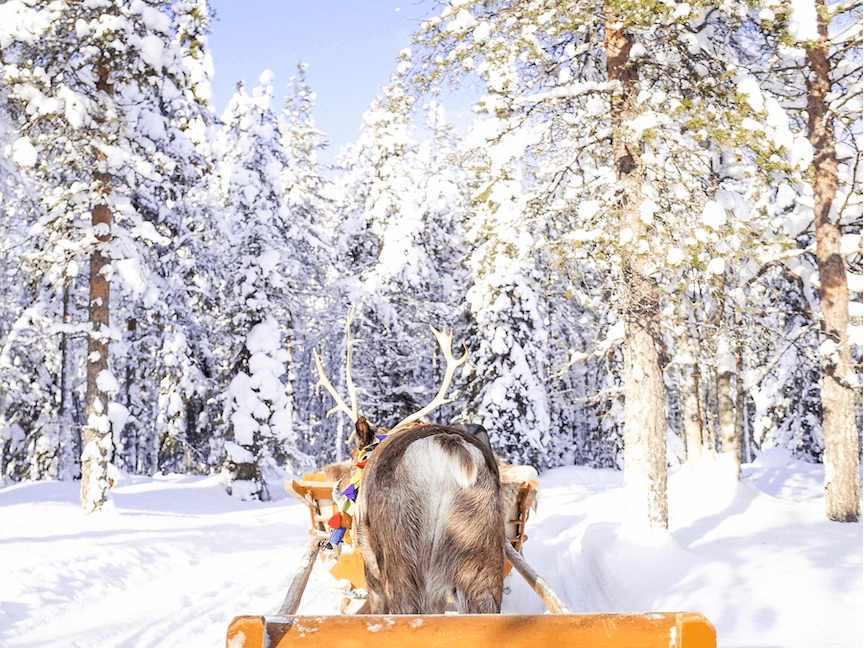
(97, 96)
(261, 231)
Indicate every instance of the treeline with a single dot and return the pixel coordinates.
(650, 242)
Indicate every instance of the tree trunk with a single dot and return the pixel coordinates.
(730, 442)
(644, 402)
(97, 444)
(741, 421)
(841, 457)
(691, 412)
(66, 453)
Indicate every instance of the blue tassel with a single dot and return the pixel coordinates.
(336, 536)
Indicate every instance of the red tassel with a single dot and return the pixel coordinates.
(335, 522)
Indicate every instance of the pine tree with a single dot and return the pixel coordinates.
(86, 93)
(29, 434)
(815, 49)
(169, 300)
(97, 98)
(644, 400)
(261, 415)
(842, 451)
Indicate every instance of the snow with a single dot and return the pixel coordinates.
(647, 210)
(850, 243)
(803, 21)
(238, 453)
(626, 236)
(674, 256)
(245, 426)
(464, 21)
(801, 155)
(152, 51)
(681, 11)
(118, 414)
(266, 77)
(24, 153)
(482, 32)
(21, 22)
(106, 382)
(714, 215)
(716, 266)
(177, 558)
(643, 122)
(749, 87)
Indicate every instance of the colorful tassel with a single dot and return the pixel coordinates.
(336, 536)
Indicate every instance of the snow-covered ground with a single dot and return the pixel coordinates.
(177, 558)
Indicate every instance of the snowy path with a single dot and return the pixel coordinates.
(178, 559)
(171, 568)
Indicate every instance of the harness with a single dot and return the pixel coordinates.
(346, 502)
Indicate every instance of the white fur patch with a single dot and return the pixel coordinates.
(432, 464)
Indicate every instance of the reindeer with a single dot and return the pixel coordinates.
(430, 528)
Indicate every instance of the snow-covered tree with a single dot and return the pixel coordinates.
(510, 316)
(171, 320)
(270, 188)
(398, 246)
(97, 92)
(309, 270)
(842, 447)
(631, 130)
(816, 50)
(260, 414)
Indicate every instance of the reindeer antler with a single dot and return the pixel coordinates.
(353, 411)
(445, 341)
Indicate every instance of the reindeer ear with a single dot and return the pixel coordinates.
(365, 432)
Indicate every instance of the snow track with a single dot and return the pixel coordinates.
(177, 559)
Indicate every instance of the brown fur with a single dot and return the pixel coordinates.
(430, 527)
(336, 471)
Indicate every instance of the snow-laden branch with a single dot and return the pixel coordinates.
(850, 34)
(569, 91)
(842, 7)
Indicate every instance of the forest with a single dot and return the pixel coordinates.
(649, 243)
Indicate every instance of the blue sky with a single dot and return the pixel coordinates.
(350, 47)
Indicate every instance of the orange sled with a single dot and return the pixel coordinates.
(557, 630)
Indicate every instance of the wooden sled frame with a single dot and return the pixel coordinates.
(677, 630)
(561, 629)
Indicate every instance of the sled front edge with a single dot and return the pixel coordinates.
(662, 630)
